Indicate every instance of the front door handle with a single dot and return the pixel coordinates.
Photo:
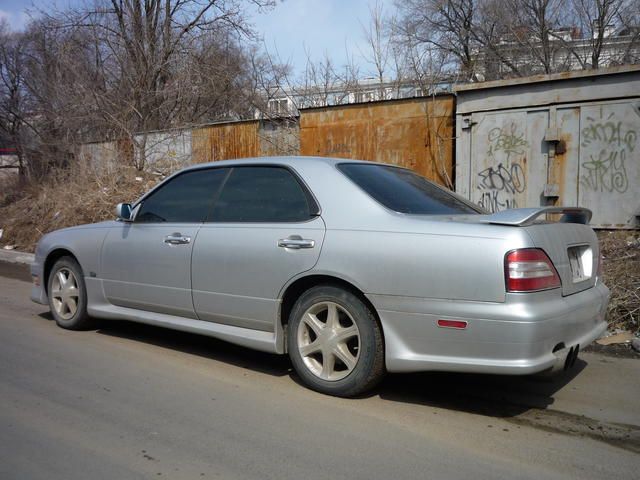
(177, 239)
(296, 242)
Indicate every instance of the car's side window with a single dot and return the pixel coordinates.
(262, 194)
(186, 198)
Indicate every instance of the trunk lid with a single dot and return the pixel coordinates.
(574, 251)
(570, 243)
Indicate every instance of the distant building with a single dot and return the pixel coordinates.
(286, 102)
(568, 49)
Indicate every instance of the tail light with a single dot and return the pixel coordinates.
(529, 270)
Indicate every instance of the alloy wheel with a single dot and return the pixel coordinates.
(65, 293)
(328, 341)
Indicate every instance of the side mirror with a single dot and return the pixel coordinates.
(123, 212)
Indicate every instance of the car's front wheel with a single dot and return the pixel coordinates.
(68, 295)
(335, 342)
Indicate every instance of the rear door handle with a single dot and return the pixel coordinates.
(296, 242)
(177, 239)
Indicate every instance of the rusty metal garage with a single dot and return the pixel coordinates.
(567, 139)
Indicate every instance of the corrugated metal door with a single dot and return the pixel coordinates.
(609, 172)
(508, 169)
(563, 155)
(571, 155)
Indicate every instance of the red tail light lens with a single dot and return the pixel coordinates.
(529, 270)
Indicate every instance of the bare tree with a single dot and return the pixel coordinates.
(146, 65)
(599, 21)
(378, 50)
(594, 18)
(320, 84)
(520, 37)
(46, 108)
(447, 25)
(143, 47)
(629, 20)
(12, 95)
(118, 69)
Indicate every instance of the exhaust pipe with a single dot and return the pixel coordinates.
(569, 360)
(562, 354)
(574, 357)
(565, 358)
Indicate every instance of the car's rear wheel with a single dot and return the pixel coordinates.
(68, 295)
(335, 342)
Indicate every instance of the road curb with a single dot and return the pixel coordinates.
(16, 257)
(14, 264)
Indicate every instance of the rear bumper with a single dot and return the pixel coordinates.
(516, 337)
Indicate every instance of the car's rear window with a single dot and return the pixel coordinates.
(403, 191)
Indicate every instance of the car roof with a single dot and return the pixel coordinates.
(280, 160)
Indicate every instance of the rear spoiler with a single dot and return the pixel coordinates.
(521, 217)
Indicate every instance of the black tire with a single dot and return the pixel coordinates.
(78, 320)
(369, 366)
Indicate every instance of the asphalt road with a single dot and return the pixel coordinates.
(130, 401)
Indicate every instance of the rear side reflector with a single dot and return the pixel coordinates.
(459, 324)
(529, 270)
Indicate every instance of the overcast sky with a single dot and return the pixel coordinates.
(318, 26)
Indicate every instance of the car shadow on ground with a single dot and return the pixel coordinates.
(489, 395)
(193, 344)
(200, 345)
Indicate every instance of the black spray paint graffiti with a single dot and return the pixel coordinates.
(502, 183)
(503, 180)
(606, 143)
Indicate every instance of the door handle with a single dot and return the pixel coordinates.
(177, 239)
(296, 242)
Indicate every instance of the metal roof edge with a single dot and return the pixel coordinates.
(378, 102)
(554, 77)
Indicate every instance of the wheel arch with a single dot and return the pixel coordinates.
(296, 288)
(52, 257)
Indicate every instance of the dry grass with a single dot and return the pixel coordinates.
(66, 198)
(69, 198)
(621, 265)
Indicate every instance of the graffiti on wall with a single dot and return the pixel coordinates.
(608, 143)
(500, 183)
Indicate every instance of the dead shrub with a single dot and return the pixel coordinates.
(66, 197)
(621, 266)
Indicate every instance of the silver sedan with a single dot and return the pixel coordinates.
(351, 268)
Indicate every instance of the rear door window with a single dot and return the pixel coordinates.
(263, 194)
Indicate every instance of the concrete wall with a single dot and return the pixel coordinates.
(167, 151)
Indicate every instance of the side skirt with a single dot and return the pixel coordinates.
(97, 306)
(257, 340)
